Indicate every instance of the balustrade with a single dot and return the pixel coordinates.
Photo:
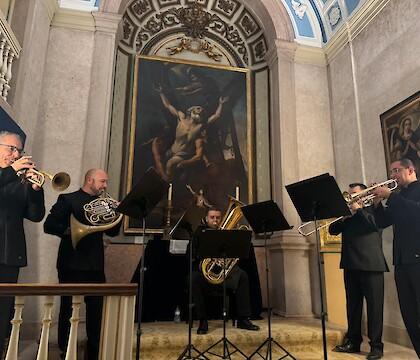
(9, 50)
(117, 316)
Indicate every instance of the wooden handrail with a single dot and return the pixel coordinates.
(34, 289)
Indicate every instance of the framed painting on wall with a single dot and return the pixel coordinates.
(192, 122)
(401, 131)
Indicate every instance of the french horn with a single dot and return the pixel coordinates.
(101, 215)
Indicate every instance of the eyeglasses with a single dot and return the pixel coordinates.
(396, 171)
(13, 149)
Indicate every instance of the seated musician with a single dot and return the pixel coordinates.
(237, 281)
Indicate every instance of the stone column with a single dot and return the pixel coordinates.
(288, 251)
(100, 95)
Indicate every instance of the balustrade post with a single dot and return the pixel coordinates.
(45, 332)
(12, 350)
(71, 353)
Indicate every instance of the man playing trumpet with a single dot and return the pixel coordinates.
(364, 264)
(402, 210)
(18, 200)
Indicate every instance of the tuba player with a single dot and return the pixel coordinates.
(236, 281)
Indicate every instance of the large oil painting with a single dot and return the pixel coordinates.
(401, 131)
(192, 123)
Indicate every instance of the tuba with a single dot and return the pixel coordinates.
(217, 269)
(101, 215)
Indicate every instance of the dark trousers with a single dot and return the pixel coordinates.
(8, 274)
(237, 282)
(93, 310)
(369, 285)
(408, 288)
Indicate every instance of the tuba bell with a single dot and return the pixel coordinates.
(215, 270)
(101, 215)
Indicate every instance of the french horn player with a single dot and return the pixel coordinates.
(237, 280)
(82, 261)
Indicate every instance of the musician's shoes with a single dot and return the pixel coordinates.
(375, 354)
(203, 327)
(347, 347)
(247, 325)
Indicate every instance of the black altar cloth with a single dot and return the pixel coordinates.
(165, 282)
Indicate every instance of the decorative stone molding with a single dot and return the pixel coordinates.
(74, 19)
(310, 55)
(355, 25)
(52, 7)
(105, 22)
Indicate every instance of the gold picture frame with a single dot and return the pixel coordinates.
(193, 123)
(401, 131)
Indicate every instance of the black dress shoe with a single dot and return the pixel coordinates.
(375, 354)
(247, 325)
(347, 347)
(203, 327)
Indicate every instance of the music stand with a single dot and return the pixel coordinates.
(318, 198)
(266, 217)
(189, 222)
(223, 244)
(137, 204)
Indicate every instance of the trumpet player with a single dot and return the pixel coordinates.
(18, 200)
(364, 264)
(85, 263)
(402, 210)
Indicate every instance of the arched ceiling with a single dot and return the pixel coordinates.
(314, 21)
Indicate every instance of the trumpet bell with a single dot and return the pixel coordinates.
(60, 181)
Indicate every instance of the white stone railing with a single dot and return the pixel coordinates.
(9, 50)
(117, 316)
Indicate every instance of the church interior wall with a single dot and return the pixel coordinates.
(313, 129)
(386, 72)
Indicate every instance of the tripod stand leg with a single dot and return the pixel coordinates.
(269, 340)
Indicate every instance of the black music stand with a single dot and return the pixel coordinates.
(188, 223)
(315, 199)
(266, 217)
(223, 244)
(138, 203)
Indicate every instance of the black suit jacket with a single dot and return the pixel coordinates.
(89, 252)
(17, 202)
(403, 211)
(361, 247)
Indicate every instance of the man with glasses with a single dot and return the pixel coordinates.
(18, 200)
(403, 211)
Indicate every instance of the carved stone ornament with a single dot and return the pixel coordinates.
(195, 46)
(201, 25)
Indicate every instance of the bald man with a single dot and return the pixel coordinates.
(85, 264)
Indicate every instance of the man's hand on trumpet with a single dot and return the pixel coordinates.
(23, 163)
(29, 174)
(381, 193)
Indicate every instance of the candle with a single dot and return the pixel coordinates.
(170, 192)
(237, 192)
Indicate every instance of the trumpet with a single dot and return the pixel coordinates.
(59, 181)
(365, 197)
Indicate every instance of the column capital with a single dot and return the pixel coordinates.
(284, 50)
(106, 22)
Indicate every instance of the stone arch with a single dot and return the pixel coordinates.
(270, 13)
